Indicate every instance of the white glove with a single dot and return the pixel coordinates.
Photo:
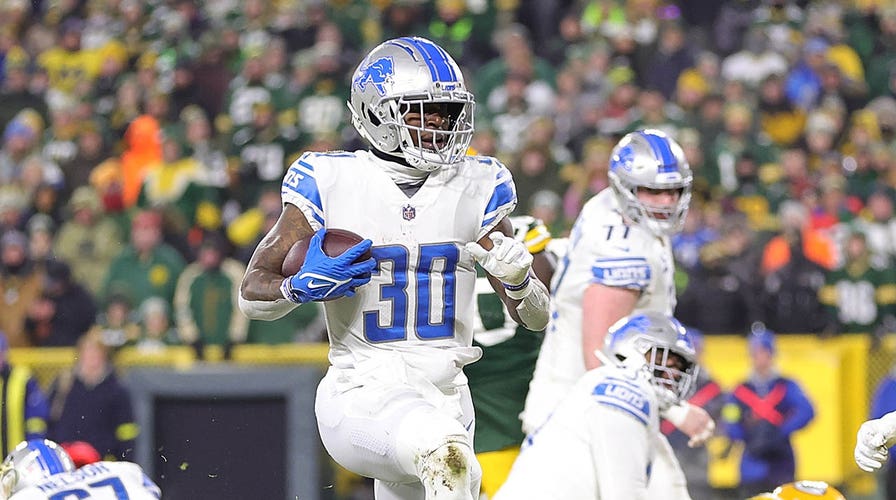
(873, 441)
(692, 420)
(508, 260)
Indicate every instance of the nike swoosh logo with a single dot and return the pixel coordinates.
(624, 249)
(323, 282)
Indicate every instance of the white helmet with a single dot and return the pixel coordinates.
(31, 462)
(401, 76)
(647, 340)
(650, 159)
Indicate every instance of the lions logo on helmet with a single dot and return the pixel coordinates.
(652, 338)
(803, 490)
(403, 76)
(32, 461)
(376, 73)
(651, 159)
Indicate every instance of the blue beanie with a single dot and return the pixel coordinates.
(761, 336)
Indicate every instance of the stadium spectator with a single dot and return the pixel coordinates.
(88, 240)
(860, 297)
(24, 405)
(155, 327)
(763, 412)
(64, 311)
(21, 284)
(722, 290)
(205, 301)
(147, 266)
(144, 152)
(88, 403)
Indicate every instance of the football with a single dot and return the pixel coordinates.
(336, 241)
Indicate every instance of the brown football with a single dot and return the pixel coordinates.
(336, 242)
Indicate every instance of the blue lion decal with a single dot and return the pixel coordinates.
(377, 73)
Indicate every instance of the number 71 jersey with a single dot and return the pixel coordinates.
(421, 292)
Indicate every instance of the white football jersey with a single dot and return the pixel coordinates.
(602, 249)
(601, 442)
(421, 294)
(96, 481)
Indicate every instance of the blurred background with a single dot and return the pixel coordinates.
(143, 145)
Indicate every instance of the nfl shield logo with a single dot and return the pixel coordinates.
(408, 212)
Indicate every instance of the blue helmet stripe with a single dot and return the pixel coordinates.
(438, 65)
(48, 457)
(446, 58)
(661, 150)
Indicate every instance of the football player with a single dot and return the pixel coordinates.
(603, 440)
(40, 469)
(394, 404)
(619, 262)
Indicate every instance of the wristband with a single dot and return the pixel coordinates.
(676, 414)
(516, 288)
(285, 290)
(518, 292)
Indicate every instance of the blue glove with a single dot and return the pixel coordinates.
(326, 278)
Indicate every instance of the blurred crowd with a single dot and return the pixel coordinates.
(143, 145)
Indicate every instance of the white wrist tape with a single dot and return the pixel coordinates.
(533, 306)
(676, 414)
(266, 310)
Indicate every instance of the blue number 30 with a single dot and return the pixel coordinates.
(434, 283)
(121, 493)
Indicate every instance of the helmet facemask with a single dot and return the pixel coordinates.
(430, 148)
(672, 374)
(649, 159)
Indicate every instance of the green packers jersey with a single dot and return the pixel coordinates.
(859, 296)
(500, 380)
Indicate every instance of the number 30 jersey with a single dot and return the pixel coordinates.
(421, 293)
(97, 481)
(602, 249)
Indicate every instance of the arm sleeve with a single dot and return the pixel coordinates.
(618, 259)
(802, 411)
(300, 188)
(502, 200)
(884, 400)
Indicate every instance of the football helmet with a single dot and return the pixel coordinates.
(32, 461)
(402, 76)
(650, 159)
(803, 490)
(648, 340)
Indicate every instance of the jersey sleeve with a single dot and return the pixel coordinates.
(503, 197)
(619, 428)
(618, 262)
(300, 188)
